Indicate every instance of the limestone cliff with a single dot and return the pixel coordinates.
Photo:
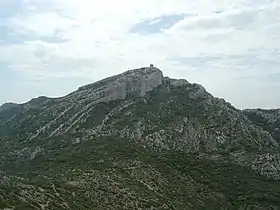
(135, 82)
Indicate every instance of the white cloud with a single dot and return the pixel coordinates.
(41, 24)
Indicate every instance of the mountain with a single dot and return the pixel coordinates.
(137, 140)
(8, 106)
(268, 119)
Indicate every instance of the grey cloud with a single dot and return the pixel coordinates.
(258, 59)
(60, 67)
(272, 78)
(239, 20)
(10, 8)
(15, 8)
(195, 61)
(157, 24)
(220, 20)
(12, 37)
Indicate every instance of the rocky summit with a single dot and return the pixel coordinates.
(138, 140)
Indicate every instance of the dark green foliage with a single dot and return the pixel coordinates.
(179, 179)
(112, 171)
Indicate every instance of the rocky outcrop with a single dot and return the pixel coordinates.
(268, 119)
(270, 115)
(176, 82)
(268, 165)
(135, 82)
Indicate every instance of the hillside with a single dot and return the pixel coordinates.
(268, 119)
(137, 140)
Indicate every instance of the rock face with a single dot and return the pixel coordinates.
(269, 120)
(137, 140)
(131, 83)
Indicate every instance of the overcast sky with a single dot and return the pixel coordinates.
(231, 47)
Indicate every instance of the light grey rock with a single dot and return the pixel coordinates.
(76, 141)
(35, 153)
(271, 116)
(176, 82)
(131, 83)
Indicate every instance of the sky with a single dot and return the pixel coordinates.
(51, 47)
